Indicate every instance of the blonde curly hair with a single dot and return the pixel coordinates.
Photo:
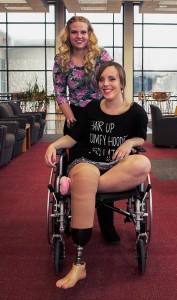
(65, 48)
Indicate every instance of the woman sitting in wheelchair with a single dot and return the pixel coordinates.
(100, 161)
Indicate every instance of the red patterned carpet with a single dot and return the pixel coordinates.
(26, 267)
(159, 152)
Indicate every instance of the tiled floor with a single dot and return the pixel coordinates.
(54, 124)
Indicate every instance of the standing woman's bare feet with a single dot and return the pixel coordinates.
(77, 273)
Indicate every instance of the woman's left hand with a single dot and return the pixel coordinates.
(123, 150)
(50, 156)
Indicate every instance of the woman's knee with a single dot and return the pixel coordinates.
(141, 165)
(84, 170)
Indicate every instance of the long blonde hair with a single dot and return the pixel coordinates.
(65, 48)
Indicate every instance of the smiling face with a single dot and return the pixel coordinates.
(79, 35)
(109, 83)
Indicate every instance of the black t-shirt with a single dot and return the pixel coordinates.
(98, 135)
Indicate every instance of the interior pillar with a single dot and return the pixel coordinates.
(128, 48)
(59, 21)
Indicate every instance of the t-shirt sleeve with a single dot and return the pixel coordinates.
(141, 121)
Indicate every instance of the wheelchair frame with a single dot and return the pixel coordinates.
(139, 212)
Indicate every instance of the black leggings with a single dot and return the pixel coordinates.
(76, 111)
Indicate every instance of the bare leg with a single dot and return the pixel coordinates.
(84, 184)
(128, 173)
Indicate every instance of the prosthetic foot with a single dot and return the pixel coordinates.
(65, 185)
(77, 273)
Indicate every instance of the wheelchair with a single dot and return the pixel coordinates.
(138, 211)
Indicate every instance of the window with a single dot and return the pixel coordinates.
(27, 50)
(112, 26)
(155, 52)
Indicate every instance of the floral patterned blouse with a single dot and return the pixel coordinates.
(80, 92)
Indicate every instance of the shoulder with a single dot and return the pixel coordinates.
(92, 106)
(138, 112)
(104, 56)
(138, 108)
(57, 59)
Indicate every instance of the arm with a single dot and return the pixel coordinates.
(66, 110)
(125, 148)
(60, 85)
(64, 142)
(68, 141)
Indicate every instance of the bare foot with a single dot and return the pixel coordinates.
(77, 272)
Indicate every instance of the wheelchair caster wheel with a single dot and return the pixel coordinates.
(141, 256)
(58, 256)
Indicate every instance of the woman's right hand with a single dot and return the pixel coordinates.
(50, 155)
(70, 122)
(66, 110)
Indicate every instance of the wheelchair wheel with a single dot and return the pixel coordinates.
(146, 224)
(50, 224)
(58, 256)
(49, 208)
(141, 256)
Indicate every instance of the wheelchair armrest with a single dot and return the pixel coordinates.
(139, 149)
(61, 151)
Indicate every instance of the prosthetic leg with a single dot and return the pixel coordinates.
(84, 183)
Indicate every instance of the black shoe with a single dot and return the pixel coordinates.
(110, 235)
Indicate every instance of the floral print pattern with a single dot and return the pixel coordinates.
(80, 92)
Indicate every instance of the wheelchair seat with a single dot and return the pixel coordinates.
(139, 212)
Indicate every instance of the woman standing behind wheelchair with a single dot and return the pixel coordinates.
(75, 68)
(104, 137)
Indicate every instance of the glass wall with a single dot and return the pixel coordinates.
(27, 50)
(155, 52)
(109, 31)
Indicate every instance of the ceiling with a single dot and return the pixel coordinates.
(88, 6)
(23, 6)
